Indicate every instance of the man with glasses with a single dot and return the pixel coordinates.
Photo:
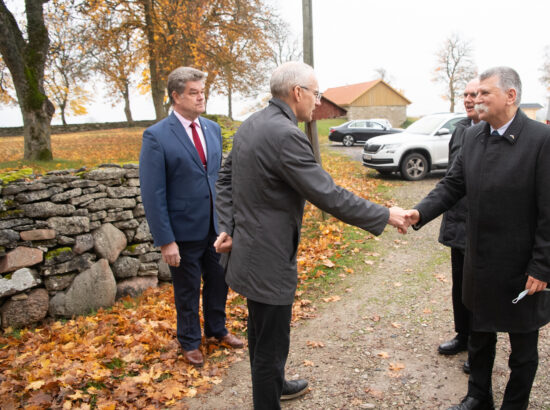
(261, 192)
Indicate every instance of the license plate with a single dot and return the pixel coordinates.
(367, 157)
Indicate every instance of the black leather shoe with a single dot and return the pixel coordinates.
(471, 403)
(454, 346)
(466, 367)
(293, 389)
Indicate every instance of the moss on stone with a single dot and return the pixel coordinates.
(11, 213)
(11, 176)
(56, 252)
(132, 248)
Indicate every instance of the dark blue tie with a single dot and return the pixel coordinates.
(495, 133)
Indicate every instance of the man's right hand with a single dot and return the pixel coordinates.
(223, 243)
(398, 219)
(171, 254)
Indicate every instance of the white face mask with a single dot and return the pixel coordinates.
(524, 293)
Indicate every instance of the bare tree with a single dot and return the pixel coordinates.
(25, 57)
(283, 46)
(383, 74)
(545, 68)
(455, 67)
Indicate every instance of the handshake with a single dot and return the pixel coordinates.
(402, 219)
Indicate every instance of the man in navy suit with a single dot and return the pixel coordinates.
(179, 163)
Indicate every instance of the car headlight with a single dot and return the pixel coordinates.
(390, 147)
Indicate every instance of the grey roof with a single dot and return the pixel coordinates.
(530, 105)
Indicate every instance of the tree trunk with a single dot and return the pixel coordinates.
(127, 111)
(157, 88)
(229, 102)
(62, 112)
(26, 58)
(36, 129)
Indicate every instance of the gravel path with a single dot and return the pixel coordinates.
(379, 341)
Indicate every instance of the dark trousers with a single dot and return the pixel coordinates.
(461, 313)
(523, 363)
(268, 343)
(199, 257)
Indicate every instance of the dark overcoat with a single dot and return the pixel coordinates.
(507, 182)
(452, 231)
(261, 191)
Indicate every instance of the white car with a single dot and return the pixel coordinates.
(422, 147)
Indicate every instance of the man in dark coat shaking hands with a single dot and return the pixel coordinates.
(261, 192)
(504, 169)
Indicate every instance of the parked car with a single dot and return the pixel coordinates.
(360, 131)
(422, 147)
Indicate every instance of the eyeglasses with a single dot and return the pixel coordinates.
(316, 94)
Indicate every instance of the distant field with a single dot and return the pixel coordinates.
(90, 148)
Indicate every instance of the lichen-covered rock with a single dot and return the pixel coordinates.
(122, 192)
(115, 216)
(92, 289)
(126, 267)
(111, 203)
(83, 243)
(20, 257)
(109, 242)
(21, 280)
(11, 223)
(138, 249)
(58, 255)
(46, 209)
(9, 235)
(24, 311)
(164, 273)
(135, 286)
(71, 225)
(59, 282)
(102, 174)
(143, 234)
(129, 224)
(86, 199)
(64, 196)
(79, 263)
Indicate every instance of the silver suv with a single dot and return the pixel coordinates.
(422, 147)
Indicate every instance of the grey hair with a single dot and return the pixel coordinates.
(508, 78)
(289, 75)
(179, 77)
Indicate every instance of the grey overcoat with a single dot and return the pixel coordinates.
(261, 191)
(507, 183)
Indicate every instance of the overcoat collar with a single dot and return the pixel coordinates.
(283, 106)
(513, 132)
(183, 138)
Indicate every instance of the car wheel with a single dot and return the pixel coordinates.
(348, 140)
(414, 167)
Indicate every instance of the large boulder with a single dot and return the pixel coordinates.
(20, 257)
(25, 309)
(109, 242)
(135, 286)
(20, 281)
(92, 289)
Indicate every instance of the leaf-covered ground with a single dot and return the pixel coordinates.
(127, 356)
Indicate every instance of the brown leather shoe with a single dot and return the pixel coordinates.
(231, 340)
(193, 357)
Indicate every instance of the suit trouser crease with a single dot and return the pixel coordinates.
(523, 363)
(199, 259)
(268, 345)
(460, 312)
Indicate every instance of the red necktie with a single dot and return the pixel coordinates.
(198, 144)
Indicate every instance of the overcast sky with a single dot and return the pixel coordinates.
(354, 37)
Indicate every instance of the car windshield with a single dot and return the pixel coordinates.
(426, 125)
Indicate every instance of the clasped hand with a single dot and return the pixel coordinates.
(402, 219)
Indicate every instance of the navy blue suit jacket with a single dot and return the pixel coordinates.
(177, 191)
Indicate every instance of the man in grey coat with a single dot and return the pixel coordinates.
(452, 233)
(504, 170)
(261, 192)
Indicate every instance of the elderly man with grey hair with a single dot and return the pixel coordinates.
(178, 168)
(504, 171)
(262, 188)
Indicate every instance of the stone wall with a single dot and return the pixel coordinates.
(63, 129)
(71, 242)
(396, 114)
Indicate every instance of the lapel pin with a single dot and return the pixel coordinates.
(512, 136)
